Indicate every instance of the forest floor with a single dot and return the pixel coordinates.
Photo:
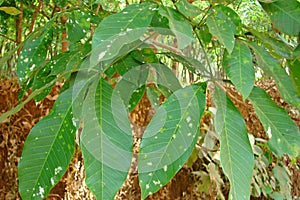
(185, 184)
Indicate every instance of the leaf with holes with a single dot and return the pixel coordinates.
(78, 25)
(106, 140)
(120, 29)
(239, 67)
(170, 138)
(284, 135)
(48, 150)
(34, 52)
(236, 154)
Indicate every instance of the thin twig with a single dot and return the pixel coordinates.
(6, 37)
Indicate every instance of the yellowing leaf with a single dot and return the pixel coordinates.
(10, 10)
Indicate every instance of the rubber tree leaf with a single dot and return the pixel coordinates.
(170, 138)
(271, 67)
(42, 78)
(34, 52)
(236, 154)
(120, 29)
(78, 25)
(179, 25)
(48, 150)
(223, 23)
(238, 66)
(125, 64)
(295, 73)
(284, 135)
(276, 47)
(106, 140)
(190, 63)
(130, 84)
(165, 77)
(187, 9)
(285, 15)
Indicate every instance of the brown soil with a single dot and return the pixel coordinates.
(14, 131)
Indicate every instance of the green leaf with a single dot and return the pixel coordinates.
(170, 138)
(236, 154)
(125, 64)
(34, 52)
(187, 9)
(120, 29)
(190, 63)
(179, 25)
(47, 151)
(276, 47)
(78, 25)
(145, 55)
(204, 34)
(285, 15)
(165, 77)
(294, 68)
(223, 23)
(282, 131)
(106, 140)
(42, 78)
(271, 67)
(10, 10)
(130, 84)
(238, 66)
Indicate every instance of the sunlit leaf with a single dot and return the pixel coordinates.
(284, 135)
(48, 150)
(238, 66)
(170, 138)
(236, 154)
(106, 140)
(10, 10)
(285, 15)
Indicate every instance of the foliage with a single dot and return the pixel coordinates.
(116, 55)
